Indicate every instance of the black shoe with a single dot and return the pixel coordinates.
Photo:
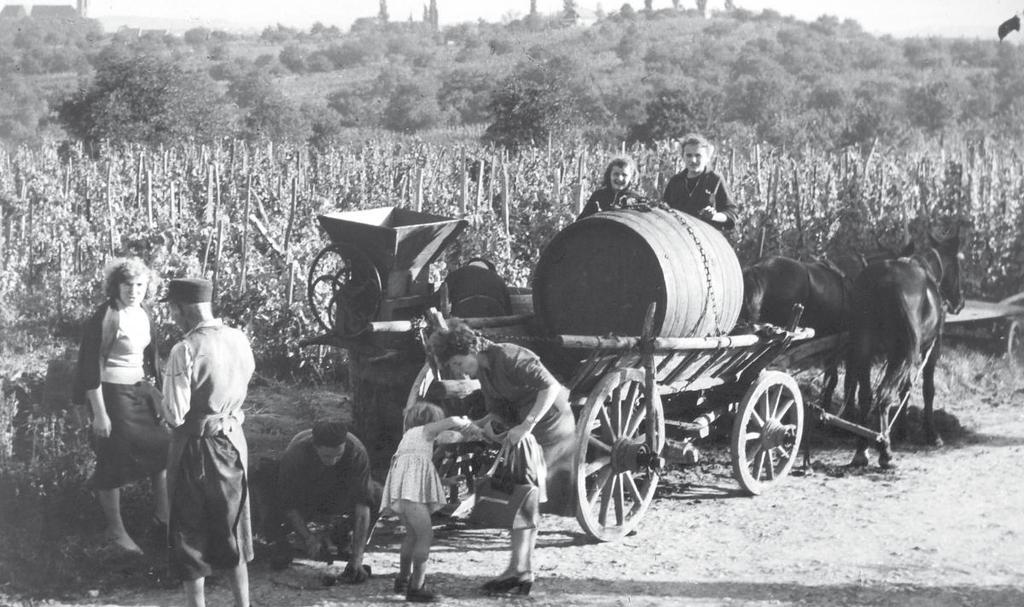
(513, 584)
(401, 585)
(420, 595)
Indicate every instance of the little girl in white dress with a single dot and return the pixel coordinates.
(413, 491)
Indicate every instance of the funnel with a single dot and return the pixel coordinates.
(394, 239)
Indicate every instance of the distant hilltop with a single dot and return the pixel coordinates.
(80, 10)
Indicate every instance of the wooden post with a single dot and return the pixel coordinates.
(217, 257)
(581, 179)
(172, 204)
(110, 209)
(464, 173)
(244, 270)
(479, 185)
(291, 216)
(149, 197)
(419, 189)
(506, 193)
(216, 191)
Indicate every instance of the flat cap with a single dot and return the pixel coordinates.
(189, 290)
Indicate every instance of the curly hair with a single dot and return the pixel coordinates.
(124, 269)
(458, 340)
(619, 162)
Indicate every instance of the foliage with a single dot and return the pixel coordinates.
(147, 99)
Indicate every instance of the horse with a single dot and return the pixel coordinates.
(774, 284)
(898, 311)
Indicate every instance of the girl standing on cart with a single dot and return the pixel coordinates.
(521, 397)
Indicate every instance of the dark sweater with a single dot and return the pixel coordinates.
(606, 199)
(691, 195)
(87, 373)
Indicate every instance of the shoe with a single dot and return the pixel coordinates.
(513, 584)
(401, 585)
(420, 595)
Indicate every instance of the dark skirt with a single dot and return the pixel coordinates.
(556, 434)
(138, 443)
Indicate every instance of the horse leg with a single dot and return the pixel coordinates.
(831, 379)
(863, 388)
(928, 391)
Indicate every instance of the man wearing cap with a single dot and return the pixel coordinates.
(204, 387)
(324, 473)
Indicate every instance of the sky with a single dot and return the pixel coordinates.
(952, 18)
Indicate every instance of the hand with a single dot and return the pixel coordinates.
(707, 212)
(101, 425)
(461, 422)
(517, 433)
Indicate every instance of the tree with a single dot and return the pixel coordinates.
(545, 96)
(569, 11)
(147, 99)
(412, 107)
(265, 112)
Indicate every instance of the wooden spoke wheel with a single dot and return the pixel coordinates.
(615, 479)
(766, 432)
(1015, 341)
(343, 289)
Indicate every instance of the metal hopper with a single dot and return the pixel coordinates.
(400, 243)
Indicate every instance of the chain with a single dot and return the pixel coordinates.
(716, 313)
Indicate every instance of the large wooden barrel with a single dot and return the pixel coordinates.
(598, 275)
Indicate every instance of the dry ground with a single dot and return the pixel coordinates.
(942, 528)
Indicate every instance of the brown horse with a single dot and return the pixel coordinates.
(899, 309)
(774, 284)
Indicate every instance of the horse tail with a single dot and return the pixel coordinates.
(903, 357)
(753, 295)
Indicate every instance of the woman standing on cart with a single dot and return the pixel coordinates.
(522, 397)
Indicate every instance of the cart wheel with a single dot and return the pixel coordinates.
(1015, 341)
(343, 289)
(766, 432)
(615, 481)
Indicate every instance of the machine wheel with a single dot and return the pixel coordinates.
(343, 289)
(766, 432)
(615, 481)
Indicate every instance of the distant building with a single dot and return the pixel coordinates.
(13, 11)
(54, 11)
(83, 8)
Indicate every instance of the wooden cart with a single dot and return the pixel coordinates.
(994, 323)
(617, 393)
(369, 291)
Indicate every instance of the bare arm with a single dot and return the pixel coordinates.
(100, 419)
(431, 430)
(545, 399)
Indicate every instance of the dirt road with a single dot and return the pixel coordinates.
(943, 528)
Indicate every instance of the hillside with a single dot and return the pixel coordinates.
(631, 75)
